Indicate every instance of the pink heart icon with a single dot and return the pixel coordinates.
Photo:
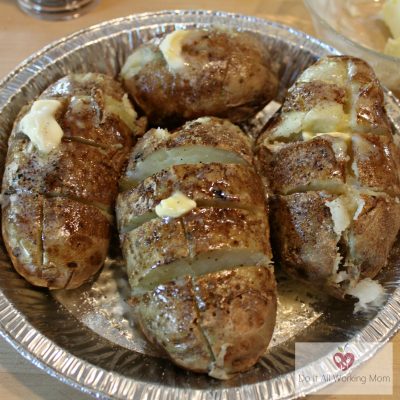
(343, 361)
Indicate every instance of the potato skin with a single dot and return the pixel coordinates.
(220, 323)
(228, 74)
(70, 190)
(289, 167)
(373, 233)
(303, 238)
(168, 316)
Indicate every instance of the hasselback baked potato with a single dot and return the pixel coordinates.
(332, 167)
(195, 236)
(65, 156)
(192, 73)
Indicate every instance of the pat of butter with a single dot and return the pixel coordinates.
(40, 125)
(171, 48)
(174, 206)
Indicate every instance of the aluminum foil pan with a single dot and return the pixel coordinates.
(87, 337)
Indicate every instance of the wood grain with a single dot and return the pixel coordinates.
(22, 35)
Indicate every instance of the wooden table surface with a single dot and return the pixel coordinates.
(20, 36)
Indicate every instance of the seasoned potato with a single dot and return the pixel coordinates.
(195, 237)
(195, 73)
(57, 201)
(219, 323)
(332, 168)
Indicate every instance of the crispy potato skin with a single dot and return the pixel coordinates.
(373, 234)
(22, 229)
(76, 170)
(75, 239)
(55, 221)
(291, 166)
(168, 317)
(237, 315)
(228, 75)
(220, 323)
(334, 191)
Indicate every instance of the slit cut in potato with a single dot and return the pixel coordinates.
(54, 242)
(209, 185)
(205, 263)
(205, 140)
(168, 248)
(164, 159)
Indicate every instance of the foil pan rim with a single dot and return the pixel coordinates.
(57, 361)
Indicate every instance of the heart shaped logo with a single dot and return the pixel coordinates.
(343, 360)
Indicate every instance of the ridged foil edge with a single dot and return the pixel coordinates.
(58, 362)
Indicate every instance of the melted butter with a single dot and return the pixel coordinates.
(136, 61)
(171, 48)
(80, 104)
(391, 16)
(174, 206)
(339, 146)
(329, 71)
(40, 125)
(122, 109)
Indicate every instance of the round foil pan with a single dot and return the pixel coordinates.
(87, 337)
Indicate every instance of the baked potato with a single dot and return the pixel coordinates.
(195, 236)
(193, 73)
(331, 166)
(58, 200)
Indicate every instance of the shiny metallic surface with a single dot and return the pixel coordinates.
(87, 337)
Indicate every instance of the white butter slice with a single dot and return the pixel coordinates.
(175, 206)
(136, 61)
(171, 48)
(40, 125)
